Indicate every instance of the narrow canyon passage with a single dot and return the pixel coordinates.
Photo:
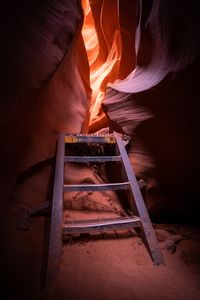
(110, 50)
(96, 66)
(103, 50)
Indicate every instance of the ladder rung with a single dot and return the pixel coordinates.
(85, 226)
(96, 187)
(92, 158)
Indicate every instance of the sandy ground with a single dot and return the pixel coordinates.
(115, 265)
(121, 269)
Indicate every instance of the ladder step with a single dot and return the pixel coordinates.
(92, 158)
(86, 226)
(104, 139)
(96, 187)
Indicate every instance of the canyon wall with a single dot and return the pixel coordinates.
(158, 105)
(44, 90)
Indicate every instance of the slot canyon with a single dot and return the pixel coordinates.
(98, 67)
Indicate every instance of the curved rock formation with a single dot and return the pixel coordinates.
(45, 86)
(158, 102)
(153, 51)
(150, 92)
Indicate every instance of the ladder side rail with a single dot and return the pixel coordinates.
(139, 202)
(55, 238)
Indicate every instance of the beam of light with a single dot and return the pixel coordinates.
(101, 72)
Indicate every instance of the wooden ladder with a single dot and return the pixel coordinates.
(140, 221)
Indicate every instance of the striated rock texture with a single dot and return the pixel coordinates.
(45, 84)
(46, 87)
(158, 105)
(35, 37)
(112, 56)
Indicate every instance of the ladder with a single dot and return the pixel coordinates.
(141, 221)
